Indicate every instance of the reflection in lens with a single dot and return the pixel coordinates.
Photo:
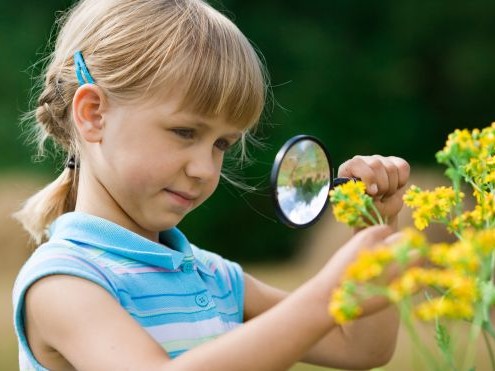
(301, 211)
(303, 182)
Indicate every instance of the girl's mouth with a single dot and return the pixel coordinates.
(185, 200)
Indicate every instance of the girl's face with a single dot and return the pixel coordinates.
(154, 164)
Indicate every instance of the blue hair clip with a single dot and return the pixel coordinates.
(82, 72)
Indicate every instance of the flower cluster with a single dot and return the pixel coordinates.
(456, 279)
(352, 206)
(370, 265)
(431, 206)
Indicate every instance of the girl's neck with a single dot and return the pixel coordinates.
(94, 199)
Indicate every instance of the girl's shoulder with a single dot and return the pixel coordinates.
(63, 258)
(55, 257)
(58, 256)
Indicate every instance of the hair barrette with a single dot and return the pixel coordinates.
(82, 72)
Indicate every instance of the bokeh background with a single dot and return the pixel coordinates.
(366, 77)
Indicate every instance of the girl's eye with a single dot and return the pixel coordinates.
(223, 144)
(184, 133)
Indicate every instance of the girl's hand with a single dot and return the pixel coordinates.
(385, 179)
(367, 239)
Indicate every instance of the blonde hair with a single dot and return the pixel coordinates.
(136, 49)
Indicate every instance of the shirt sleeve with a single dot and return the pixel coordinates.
(51, 259)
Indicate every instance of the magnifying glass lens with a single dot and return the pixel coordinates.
(301, 179)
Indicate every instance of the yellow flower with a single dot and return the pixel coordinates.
(468, 219)
(460, 140)
(351, 203)
(448, 280)
(348, 214)
(453, 283)
(414, 239)
(342, 307)
(431, 205)
(421, 218)
(484, 241)
(457, 279)
(464, 140)
(406, 285)
(369, 264)
(475, 168)
(487, 137)
(350, 191)
(444, 307)
(490, 177)
(460, 256)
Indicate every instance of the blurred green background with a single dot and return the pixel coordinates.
(387, 77)
(366, 77)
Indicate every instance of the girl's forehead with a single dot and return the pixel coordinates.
(177, 106)
(199, 103)
(172, 109)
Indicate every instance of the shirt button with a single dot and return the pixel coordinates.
(187, 267)
(202, 300)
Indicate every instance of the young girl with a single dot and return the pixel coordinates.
(145, 96)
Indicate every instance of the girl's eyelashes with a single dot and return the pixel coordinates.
(187, 133)
(223, 144)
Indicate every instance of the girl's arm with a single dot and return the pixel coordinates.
(74, 322)
(365, 343)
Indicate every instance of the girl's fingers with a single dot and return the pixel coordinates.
(393, 238)
(380, 174)
(357, 167)
(383, 176)
(372, 236)
(403, 169)
(392, 176)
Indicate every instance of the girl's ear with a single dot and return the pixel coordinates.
(88, 106)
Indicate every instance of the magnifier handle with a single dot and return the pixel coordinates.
(340, 181)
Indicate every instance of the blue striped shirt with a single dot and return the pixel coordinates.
(182, 296)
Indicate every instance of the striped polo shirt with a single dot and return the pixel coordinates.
(182, 295)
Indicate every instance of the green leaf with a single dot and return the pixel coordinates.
(443, 341)
(442, 338)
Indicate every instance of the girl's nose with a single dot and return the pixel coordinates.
(203, 165)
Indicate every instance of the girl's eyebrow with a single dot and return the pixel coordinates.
(235, 135)
(196, 120)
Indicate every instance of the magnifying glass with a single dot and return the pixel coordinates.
(302, 176)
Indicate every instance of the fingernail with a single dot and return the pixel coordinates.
(373, 189)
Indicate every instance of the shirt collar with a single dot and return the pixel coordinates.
(170, 253)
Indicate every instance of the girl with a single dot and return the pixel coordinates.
(145, 96)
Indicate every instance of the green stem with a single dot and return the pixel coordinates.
(377, 213)
(445, 221)
(488, 328)
(492, 267)
(456, 183)
(369, 216)
(474, 332)
(490, 350)
(474, 185)
(417, 341)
